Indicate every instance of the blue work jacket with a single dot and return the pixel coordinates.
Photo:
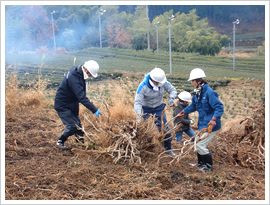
(207, 105)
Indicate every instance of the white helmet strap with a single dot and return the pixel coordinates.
(85, 76)
(155, 88)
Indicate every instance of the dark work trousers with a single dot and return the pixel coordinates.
(157, 112)
(70, 120)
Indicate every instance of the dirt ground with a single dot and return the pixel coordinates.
(35, 169)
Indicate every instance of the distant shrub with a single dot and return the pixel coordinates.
(43, 50)
(61, 51)
(261, 50)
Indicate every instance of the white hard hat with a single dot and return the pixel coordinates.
(92, 66)
(185, 96)
(158, 75)
(196, 73)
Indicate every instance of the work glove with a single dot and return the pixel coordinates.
(170, 101)
(180, 114)
(97, 113)
(213, 122)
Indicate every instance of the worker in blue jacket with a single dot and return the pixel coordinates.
(205, 100)
(70, 93)
(149, 100)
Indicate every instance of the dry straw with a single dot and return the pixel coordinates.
(19, 95)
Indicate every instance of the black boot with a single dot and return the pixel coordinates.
(199, 163)
(208, 161)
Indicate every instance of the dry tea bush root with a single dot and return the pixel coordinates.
(242, 141)
(123, 140)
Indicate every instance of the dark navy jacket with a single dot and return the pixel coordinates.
(208, 105)
(72, 91)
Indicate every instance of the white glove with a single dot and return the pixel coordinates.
(191, 122)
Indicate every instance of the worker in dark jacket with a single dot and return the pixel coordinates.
(183, 100)
(70, 93)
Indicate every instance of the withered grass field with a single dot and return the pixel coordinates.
(123, 159)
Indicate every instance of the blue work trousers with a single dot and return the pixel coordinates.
(190, 132)
(157, 113)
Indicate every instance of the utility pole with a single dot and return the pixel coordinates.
(170, 43)
(54, 44)
(157, 33)
(147, 19)
(235, 22)
(101, 12)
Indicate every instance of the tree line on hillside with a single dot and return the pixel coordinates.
(77, 27)
(216, 13)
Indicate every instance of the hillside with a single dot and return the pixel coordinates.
(250, 35)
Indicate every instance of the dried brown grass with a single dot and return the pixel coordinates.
(122, 104)
(237, 54)
(19, 97)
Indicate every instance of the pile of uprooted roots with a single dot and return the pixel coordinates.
(118, 134)
(242, 141)
(125, 140)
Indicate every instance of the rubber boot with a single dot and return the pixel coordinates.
(199, 163)
(208, 161)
